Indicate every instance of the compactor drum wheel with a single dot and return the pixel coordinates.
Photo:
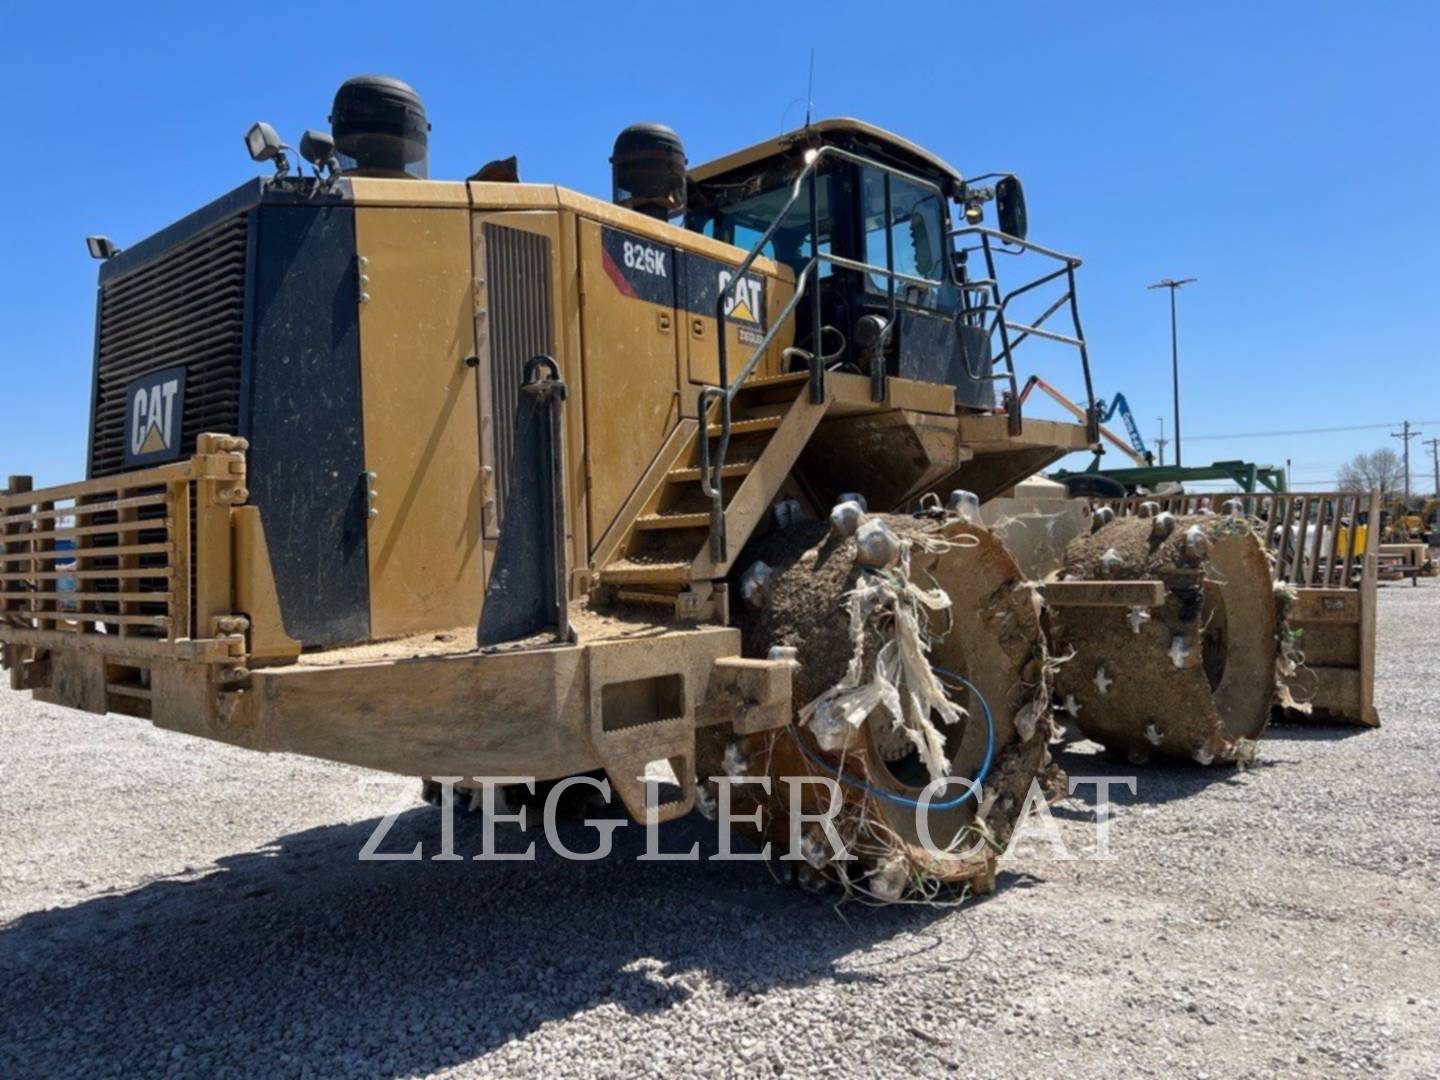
(988, 636)
(1194, 677)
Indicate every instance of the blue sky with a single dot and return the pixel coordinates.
(1284, 154)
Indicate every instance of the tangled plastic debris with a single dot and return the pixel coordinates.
(888, 881)
(1029, 717)
(815, 847)
(903, 683)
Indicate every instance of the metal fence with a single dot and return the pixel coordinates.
(1317, 540)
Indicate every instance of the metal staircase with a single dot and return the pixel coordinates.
(667, 558)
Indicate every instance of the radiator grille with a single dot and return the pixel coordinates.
(517, 267)
(183, 309)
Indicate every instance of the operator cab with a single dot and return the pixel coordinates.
(895, 216)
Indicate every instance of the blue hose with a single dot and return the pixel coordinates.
(905, 800)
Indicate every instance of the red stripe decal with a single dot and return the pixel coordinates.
(616, 274)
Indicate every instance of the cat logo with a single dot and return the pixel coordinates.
(154, 405)
(746, 301)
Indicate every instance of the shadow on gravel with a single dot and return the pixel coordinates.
(1286, 732)
(300, 957)
(1158, 781)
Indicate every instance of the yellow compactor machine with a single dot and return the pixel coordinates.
(465, 478)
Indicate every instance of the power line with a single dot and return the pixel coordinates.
(1305, 431)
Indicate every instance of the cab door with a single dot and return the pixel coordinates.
(927, 335)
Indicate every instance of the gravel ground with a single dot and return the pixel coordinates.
(172, 906)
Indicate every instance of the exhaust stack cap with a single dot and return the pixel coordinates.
(648, 170)
(380, 129)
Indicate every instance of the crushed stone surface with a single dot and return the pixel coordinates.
(174, 907)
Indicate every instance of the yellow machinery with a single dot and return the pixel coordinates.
(459, 478)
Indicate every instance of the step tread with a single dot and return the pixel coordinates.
(749, 424)
(731, 468)
(766, 382)
(642, 572)
(673, 520)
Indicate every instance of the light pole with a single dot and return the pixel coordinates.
(1167, 283)
(1161, 441)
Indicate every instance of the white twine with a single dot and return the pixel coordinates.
(903, 683)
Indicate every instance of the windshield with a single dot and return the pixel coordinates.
(743, 222)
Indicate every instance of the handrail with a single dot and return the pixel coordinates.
(1002, 325)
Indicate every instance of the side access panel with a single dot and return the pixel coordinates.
(630, 327)
(421, 419)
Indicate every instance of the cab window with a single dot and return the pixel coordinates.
(916, 223)
(744, 221)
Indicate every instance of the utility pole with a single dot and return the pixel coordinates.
(1167, 283)
(1406, 436)
(1434, 445)
(1161, 441)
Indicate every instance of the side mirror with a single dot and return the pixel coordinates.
(1010, 207)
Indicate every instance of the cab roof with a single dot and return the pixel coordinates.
(841, 130)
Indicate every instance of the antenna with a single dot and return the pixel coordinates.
(810, 89)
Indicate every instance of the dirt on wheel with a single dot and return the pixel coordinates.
(987, 646)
